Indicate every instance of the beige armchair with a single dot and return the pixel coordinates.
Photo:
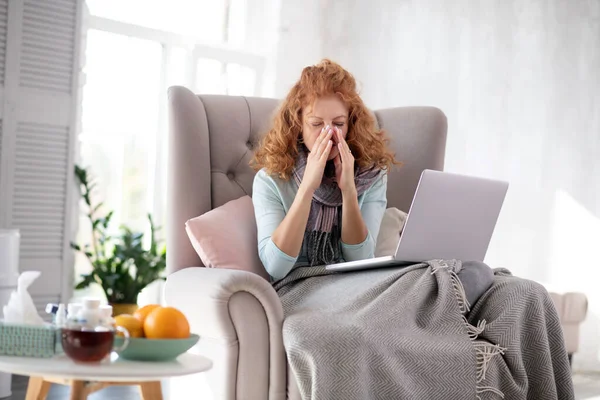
(237, 313)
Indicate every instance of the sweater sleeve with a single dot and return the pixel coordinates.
(269, 212)
(372, 210)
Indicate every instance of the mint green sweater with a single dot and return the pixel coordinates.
(272, 198)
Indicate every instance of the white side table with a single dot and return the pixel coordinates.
(85, 379)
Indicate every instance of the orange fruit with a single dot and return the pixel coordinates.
(166, 323)
(143, 312)
(133, 325)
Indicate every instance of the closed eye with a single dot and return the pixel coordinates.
(339, 124)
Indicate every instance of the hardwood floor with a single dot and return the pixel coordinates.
(587, 387)
(59, 392)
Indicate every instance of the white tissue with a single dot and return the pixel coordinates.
(20, 308)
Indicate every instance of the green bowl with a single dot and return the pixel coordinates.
(142, 349)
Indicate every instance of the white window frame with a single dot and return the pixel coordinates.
(196, 51)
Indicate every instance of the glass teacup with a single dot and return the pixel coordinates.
(91, 345)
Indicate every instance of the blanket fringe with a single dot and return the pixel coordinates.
(474, 331)
(459, 290)
(463, 303)
(484, 351)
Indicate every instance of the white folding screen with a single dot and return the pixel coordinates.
(3, 29)
(3, 25)
(40, 68)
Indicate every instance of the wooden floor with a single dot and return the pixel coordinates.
(58, 392)
(587, 387)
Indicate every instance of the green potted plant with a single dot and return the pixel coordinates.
(121, 264)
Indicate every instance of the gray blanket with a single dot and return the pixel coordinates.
(409, 333)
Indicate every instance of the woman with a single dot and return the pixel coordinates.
(320, 192)
(409, 332)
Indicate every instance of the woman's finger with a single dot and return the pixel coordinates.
(348, 157)
(342, 152)
(322, 138)
(319, 148)
(339, 133)
(342, 145)
(319, 139)
(343, 148)
(343, 141)
(326, 151)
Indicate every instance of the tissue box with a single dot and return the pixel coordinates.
(29, 340)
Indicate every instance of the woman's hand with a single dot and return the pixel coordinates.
(344, 166)
(316, 160)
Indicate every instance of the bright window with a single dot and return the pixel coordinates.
(123, 138)
(203, 19)
(120, 116)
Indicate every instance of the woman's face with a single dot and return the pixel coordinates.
(326, 111)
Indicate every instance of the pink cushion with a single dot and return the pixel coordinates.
(225, 237)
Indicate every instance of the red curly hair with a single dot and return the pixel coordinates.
(279, 147)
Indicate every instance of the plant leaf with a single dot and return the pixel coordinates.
(97, 207)
(85, 282)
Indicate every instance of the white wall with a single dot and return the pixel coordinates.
(520, 83)
(298, 41)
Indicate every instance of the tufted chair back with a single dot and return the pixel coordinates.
(211, 142)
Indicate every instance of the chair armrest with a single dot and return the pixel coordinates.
(241, 313)
(571, 306)
(575, 307)
(572, 309)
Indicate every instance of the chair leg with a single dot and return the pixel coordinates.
(151, 390)
(37, 388)
(571, 359)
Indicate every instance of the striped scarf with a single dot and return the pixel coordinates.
(323, 234)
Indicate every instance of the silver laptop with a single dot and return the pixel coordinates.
(451, 217)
